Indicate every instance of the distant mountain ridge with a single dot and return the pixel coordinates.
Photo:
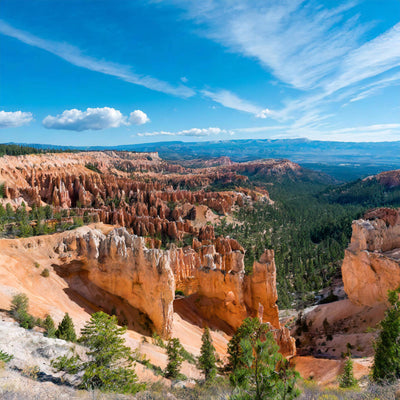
(303, 150)
(344, 160)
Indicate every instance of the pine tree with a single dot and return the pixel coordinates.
(347, 380)
(49, 326)
(66, 329)
(261, 372)
(207, 356)
(109, 366)
(174, 349)
(387, 348)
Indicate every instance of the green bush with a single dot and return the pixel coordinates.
(45, 273)
(19, 311)
(5, 357)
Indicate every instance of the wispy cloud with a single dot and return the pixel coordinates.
(194, 132)
(10, 119)
(318, 50)
(74, 56)
(93, 119)
(231, 100)
(300, 43)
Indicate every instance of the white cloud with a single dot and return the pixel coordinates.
(138, 117)
(9, 119)
(93, 119)
(194, 132)
(74, 56)
(231, 100)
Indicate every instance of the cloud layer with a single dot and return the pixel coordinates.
(9, 119)
(194, 132)
(93, 119)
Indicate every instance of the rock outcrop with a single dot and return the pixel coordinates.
(371, 265)
(212, 279)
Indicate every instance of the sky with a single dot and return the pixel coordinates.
(100, 72)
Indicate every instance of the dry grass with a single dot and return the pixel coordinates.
(367, 391)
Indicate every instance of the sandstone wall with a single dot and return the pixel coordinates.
(371, 265)
(121, 265)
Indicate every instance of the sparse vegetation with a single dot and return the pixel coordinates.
(92, 167)
(5, 357)
(19, 311)
(49, 326)
(386, 366)
(45, 273)
(258, 371)
(347, 380)
(66, 329)
(174, 352)
(207, 359)
(109, 366)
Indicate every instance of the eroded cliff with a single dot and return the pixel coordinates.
(371, 265)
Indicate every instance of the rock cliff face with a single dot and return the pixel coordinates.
(371, 264)
(217, 290)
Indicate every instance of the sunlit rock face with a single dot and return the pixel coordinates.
(214, 281)
(371, 264)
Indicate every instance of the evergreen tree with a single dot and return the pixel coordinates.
(207, 356)
(347, 380)
(234, 349)
(109, 366)
(174, 350)
(66, 329)
(49, 326)
(261, 372)
(19, 311)
(387, 348)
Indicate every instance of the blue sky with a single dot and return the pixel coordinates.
(97, 72)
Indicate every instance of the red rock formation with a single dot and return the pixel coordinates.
(371, 265)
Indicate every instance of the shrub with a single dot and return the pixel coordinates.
(5, 357)
(66, 329)
(45, 273)
(156, 339)
(31, 371)
(19, 311)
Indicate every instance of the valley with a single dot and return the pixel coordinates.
(171, 248)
